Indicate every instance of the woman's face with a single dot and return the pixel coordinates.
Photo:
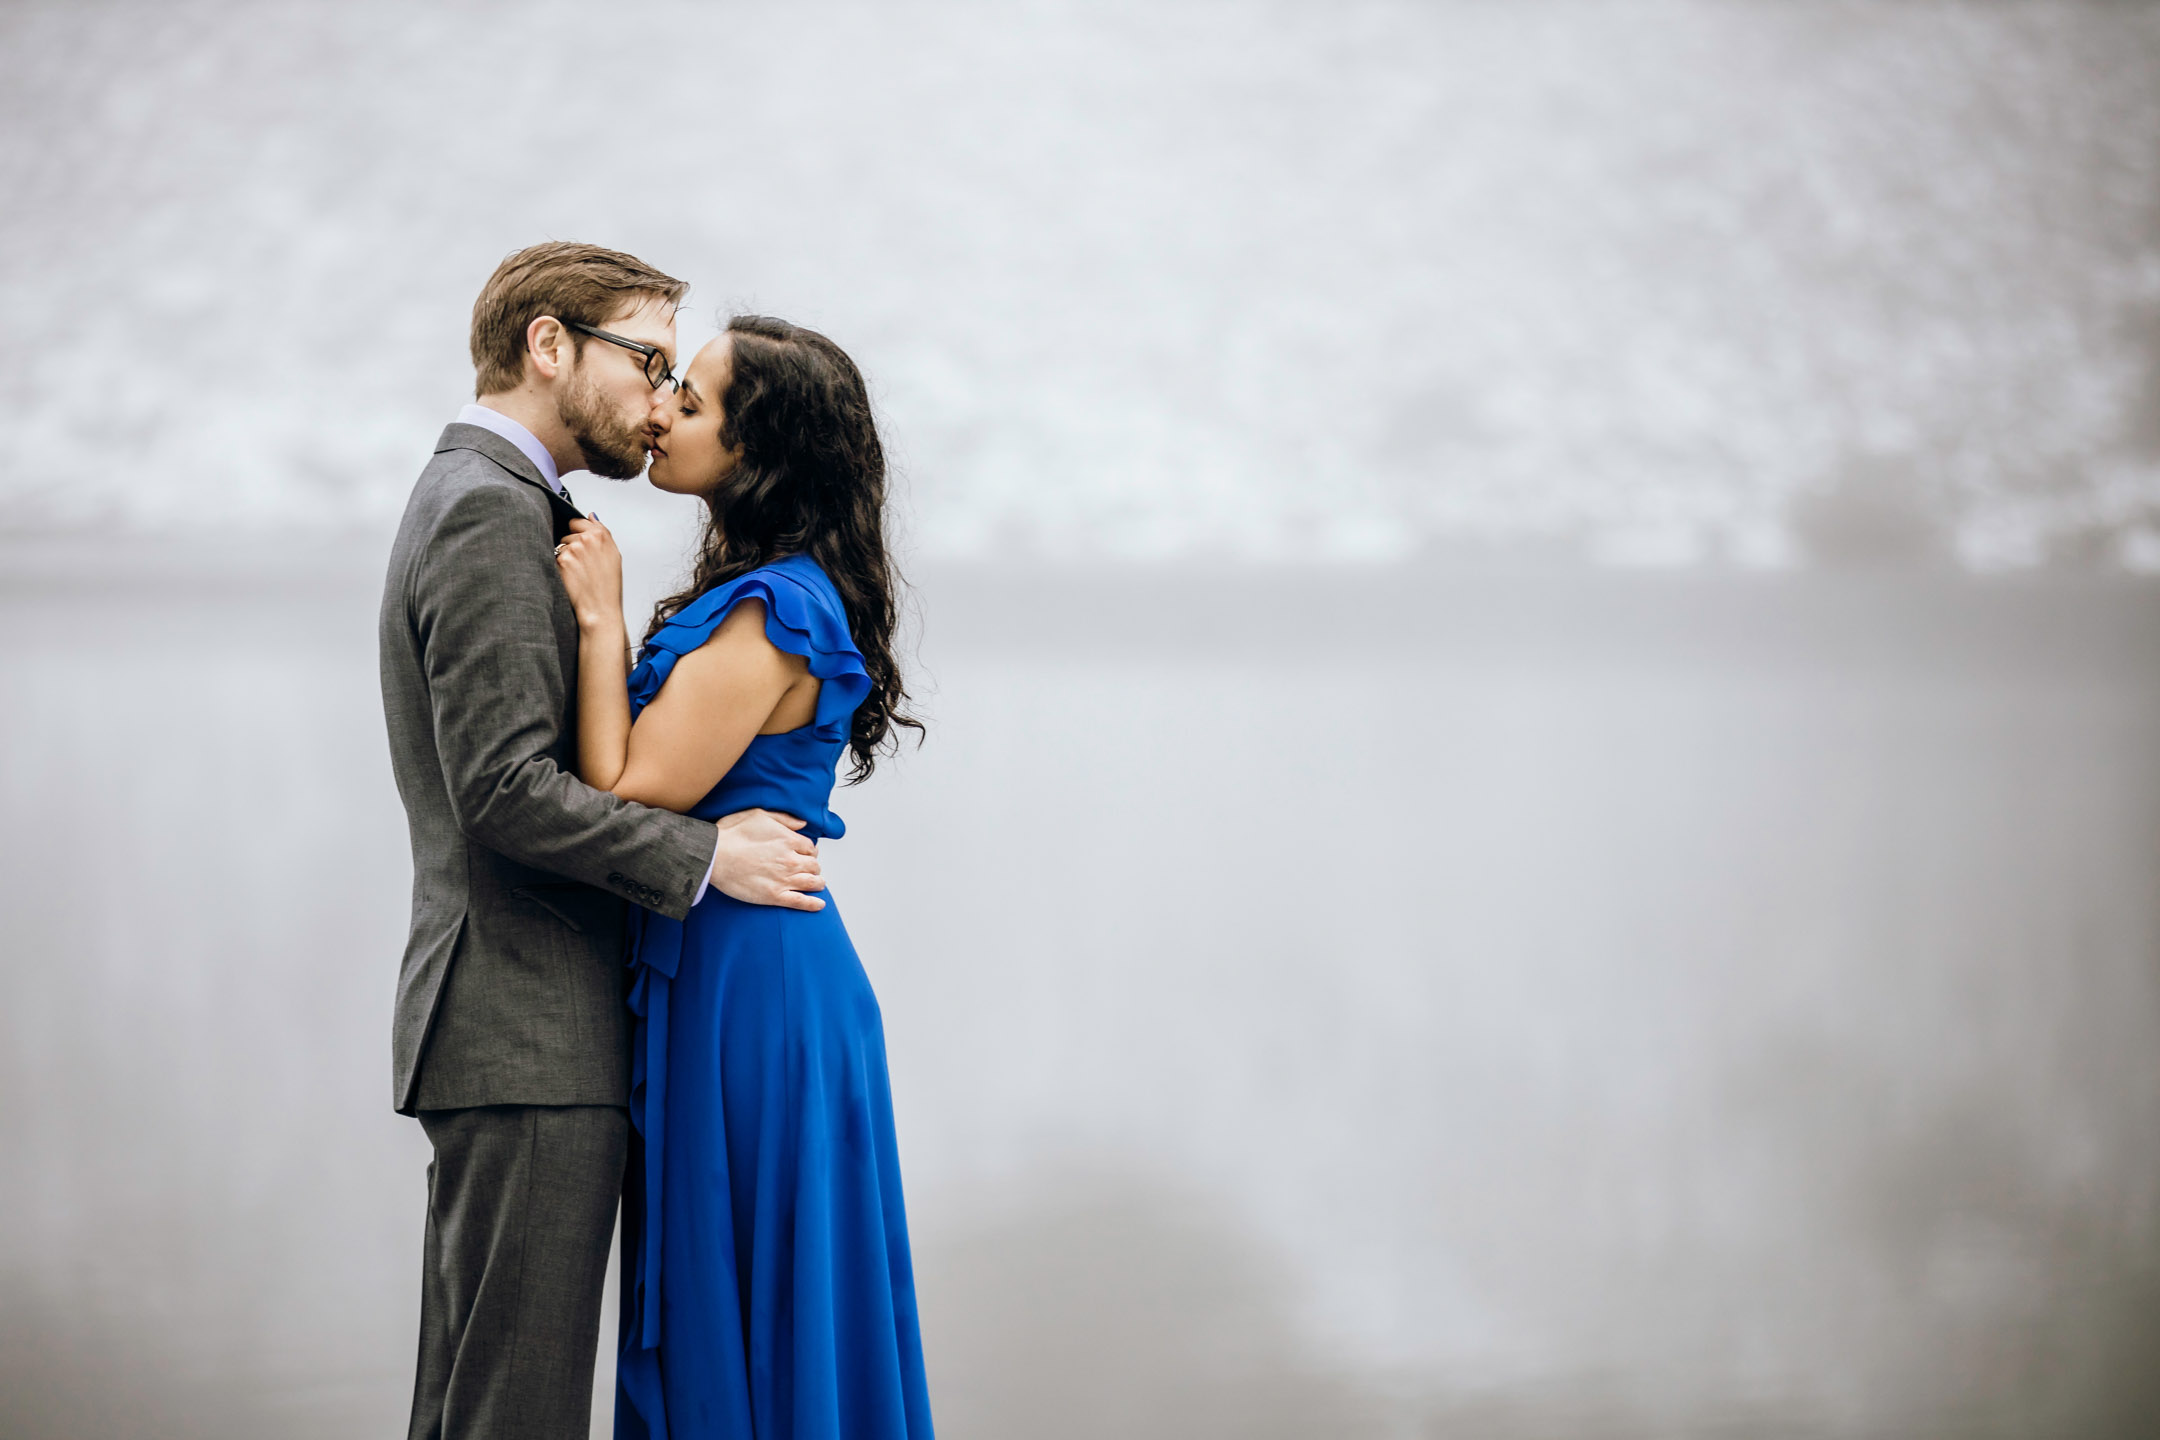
(687, 456)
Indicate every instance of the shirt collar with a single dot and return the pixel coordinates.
(517, 435)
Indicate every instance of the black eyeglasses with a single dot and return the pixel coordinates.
(656, 361)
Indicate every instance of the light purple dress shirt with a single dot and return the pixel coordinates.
(534, 451)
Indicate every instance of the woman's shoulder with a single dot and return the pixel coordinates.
(803, 616)
(796, 572)
(805, 574)
(795, 592)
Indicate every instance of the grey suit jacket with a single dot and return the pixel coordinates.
(511, 988)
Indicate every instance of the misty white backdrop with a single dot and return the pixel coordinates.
(1265, 280)
(1544, 779)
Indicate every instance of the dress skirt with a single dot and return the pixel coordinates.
(768, 1290)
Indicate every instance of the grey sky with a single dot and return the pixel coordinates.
(1653, 283)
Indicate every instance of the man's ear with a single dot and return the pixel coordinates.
(547, 346)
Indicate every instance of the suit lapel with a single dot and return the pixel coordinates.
(510, 458)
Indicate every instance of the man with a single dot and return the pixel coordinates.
(511, 1040)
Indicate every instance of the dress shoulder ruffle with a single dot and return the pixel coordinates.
(803, 616)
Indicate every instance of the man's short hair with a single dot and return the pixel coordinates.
(579, 284)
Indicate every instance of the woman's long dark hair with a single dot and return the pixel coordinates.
(811, 481)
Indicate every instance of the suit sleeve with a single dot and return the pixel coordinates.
(482, 606)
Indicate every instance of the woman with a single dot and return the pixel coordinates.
(768, 1290)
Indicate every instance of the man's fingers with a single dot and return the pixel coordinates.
(797, 845)
(796, 900)
(804, 880)
(740, 817)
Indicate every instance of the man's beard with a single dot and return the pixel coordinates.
(611, 446)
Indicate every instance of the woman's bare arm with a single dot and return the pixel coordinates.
(716, 699)
(591, 569)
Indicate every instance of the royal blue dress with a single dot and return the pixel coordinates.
(767, 1292)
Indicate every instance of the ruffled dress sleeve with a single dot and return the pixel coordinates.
(803, 616)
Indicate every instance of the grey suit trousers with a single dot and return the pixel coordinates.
(521, 1206)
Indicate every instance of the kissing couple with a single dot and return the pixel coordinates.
(622, 983)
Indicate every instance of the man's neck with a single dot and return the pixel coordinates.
(536, 414)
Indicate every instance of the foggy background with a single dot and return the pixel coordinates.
(1543, 790)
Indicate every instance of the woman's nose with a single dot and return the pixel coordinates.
(661, 415)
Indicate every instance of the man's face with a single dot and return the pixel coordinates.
(605, 400)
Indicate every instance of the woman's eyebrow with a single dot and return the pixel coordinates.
(691, 390)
